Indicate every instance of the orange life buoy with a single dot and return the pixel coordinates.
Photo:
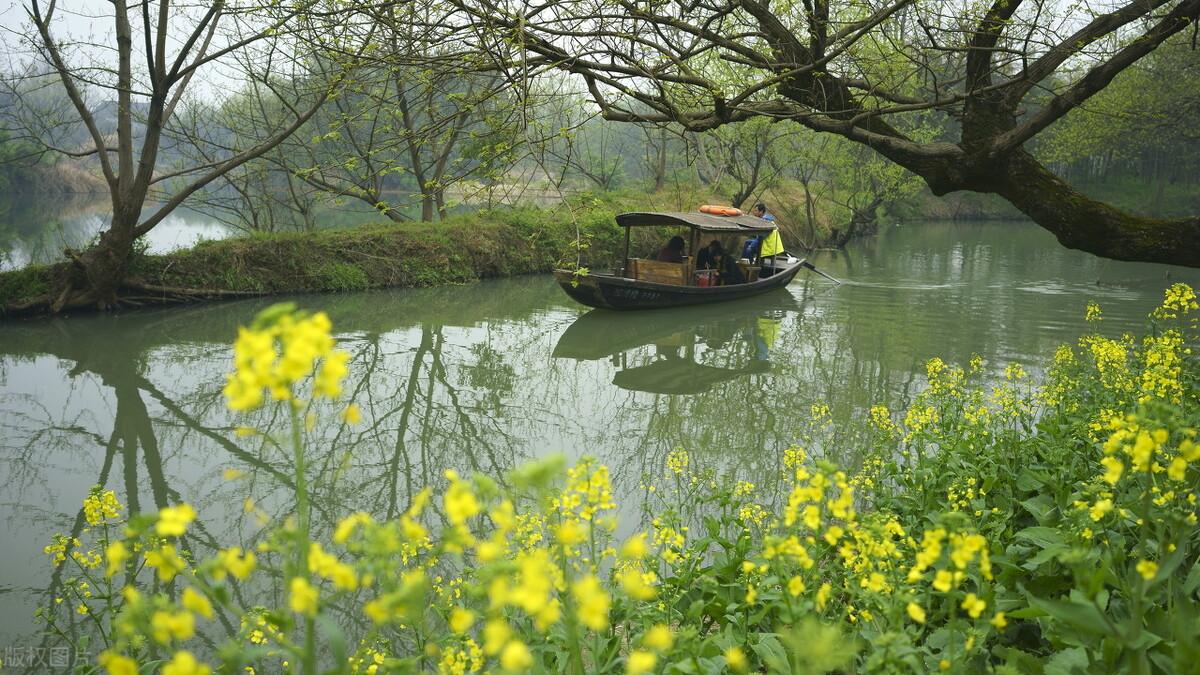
(715, 210)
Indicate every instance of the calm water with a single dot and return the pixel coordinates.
(487, 376)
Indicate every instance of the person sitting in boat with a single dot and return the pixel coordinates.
(709, 257)
(760, 211)
(673, 251)
(750, 248)
(730, 273)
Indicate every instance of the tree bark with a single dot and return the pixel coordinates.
(1083, 223)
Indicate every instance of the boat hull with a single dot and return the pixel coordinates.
(609, 292)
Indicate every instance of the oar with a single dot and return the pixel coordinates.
(805, 263)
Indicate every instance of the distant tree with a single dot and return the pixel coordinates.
(154, 59)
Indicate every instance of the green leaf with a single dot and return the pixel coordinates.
(770, 650)
(1193, 579)
(1042, 537)
(1041, 506)
(1080, 616)
(1073, 661)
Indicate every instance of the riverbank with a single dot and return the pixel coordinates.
(462, 249)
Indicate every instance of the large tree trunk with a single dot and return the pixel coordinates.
(1083, 223)
(95, 276)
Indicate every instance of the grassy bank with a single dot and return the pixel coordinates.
(466, 248)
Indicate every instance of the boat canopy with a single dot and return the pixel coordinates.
(697, 221)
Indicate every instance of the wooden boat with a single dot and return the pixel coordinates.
(650, 284)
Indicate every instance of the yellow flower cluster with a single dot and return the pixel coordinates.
(101, 506)
(1178, 300)
(588, 491)
(880, 419)
(328, 566)
(1162, 365)
(943, 379)
(278, 353)
(677, 461)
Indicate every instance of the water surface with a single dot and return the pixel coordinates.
(487, 376)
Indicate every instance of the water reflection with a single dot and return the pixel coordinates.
(685, 351)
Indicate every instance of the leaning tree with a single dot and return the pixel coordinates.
(127, 91)
(993, 75)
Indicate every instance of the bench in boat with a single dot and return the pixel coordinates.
(675, 274)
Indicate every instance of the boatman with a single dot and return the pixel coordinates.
(772, 245)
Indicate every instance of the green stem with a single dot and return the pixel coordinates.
(309, 657)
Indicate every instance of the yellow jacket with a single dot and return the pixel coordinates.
(772, 245)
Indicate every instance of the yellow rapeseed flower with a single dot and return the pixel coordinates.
(347, 526)
(117, 554)
(1100, 509)
(973, 605)
(515, 657)
(658, 637)
(736, 658)
(1113, 468)
(640, 662)
(233, 562)
(592, 602)
(823, 595)
(184, 663)
(1177, 471)
(459, 500)
(795, 586)
(166, 561)
(943, 581)
(495, 635)
(915, 612)
(173, 520)
(117, 664)
(166, 626)
(636, 584)
(461, 620)
(352, 415)
(194, 601)
(999, 621)
(303, 597)
(101, 506)
(635, 547)
(1147, 568)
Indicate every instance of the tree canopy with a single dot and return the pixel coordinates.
(993, 75)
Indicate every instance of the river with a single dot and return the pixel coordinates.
(487, 376)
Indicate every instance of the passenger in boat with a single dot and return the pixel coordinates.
(750, 248)
(760, 211)
(730, 273)
(673, 251)
(709, 257)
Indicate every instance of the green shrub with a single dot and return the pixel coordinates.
(341, 276)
